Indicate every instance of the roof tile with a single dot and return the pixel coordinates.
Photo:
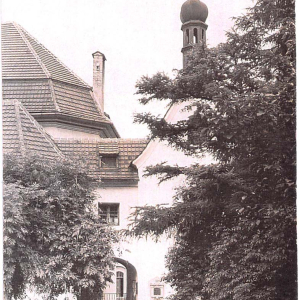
(35, 95)
(34, 76)
(76, 101)
(22, 134)
(53, 65)
(90, 151)
(17, 60)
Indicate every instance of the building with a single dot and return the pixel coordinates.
(50, 110)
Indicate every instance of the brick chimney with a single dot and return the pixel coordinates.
(98, 77)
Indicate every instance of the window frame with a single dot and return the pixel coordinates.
(106, 166)
(157, 286)
(120, 284)
(107, 213)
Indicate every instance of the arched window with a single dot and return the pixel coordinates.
(195, 36)
(187, 36)
(120, 284)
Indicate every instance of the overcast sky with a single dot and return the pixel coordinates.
(138, 37)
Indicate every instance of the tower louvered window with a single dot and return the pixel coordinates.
(187, 36)
(195, 38)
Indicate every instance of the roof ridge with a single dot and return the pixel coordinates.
(97, 104)
(9, 22)
(18, 27)
(39, 127)
(53, 96)
(56, 58)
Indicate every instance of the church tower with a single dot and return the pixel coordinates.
(193, 16)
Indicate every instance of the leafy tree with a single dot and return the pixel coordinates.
(235, 219)
(53, 240)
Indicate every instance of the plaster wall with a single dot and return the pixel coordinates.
(152, 255)
(64, 133)
(127, 197)
(147, 256)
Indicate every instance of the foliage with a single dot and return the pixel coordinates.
(53, 240)
(235, 220)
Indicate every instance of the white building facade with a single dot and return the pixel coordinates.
(71, 113)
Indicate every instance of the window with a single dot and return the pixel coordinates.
(202, 34)
(98, 67)
(157, 291)
(109, 212)
(120, 284)
(108, 161)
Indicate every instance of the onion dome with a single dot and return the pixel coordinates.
(193, 10)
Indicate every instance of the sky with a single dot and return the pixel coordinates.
(138, 37)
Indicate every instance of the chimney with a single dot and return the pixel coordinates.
(98, 78)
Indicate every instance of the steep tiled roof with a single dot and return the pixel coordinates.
(18, 61)
(76, 101)
(56, 68)
(25, 57)
(34, 76)
(91, 151)
(35, 95)
(22, 134)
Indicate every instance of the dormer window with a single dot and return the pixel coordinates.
(108, 155)
(108, 162)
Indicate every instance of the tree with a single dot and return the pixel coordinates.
(53, 240)
(235, 219)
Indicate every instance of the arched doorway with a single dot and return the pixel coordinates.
(125, 285)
